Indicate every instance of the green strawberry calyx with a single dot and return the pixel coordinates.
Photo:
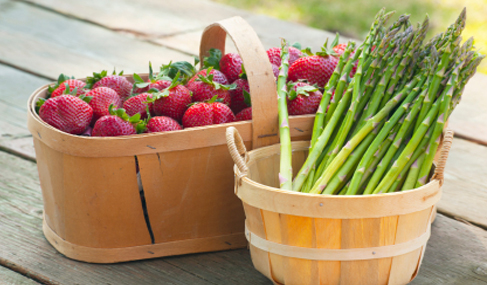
(325, 51)
(208, 79)
(247, 99)
(213, 60)
(62, 78)
(39, 103)
(91, 80)
(301, 90)
(185, 69)
(139, 125)
(156, 94)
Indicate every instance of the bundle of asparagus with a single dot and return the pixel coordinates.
(380, 131)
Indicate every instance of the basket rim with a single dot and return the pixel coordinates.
(305, 146)
(329, 206)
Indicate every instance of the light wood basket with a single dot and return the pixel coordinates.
(298, 238)
(93, 209)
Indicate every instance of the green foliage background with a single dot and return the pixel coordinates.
(352, 18)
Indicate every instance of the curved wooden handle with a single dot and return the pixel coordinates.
(445, 150)
(237, 149)
(261, 79)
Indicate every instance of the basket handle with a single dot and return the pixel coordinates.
(261, 79)
(445, 150)
(237, 150)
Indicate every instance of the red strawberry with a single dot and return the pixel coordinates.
(72, 83)
(102, 98)
(340, 49)
(112, 126)
(118, 123)
(274, 55)
(137, 105)
(116, 82)
(218, 76)
(209, 113)
(222, 113)
(204, 88)
(303, 99)
(238, 102)
(199, 114)
(67, 113)
(160, 84)
(231, 66)
(245, 114)
(275, 70)
(316, 69)
(162, 124)
(172, 101)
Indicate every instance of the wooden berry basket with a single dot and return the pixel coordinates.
(93, 209)
(298, 238)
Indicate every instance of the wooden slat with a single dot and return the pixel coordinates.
(456, 254)
(31, 38)
(465, 187)
(24, 247)
(469, 120)
(9, 277)
(179, 24)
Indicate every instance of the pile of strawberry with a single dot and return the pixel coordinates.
(179, 96)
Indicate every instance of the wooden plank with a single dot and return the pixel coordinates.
(469, 120)
(9, 277)
(160, 18)
(31, 38)
(24, 247)
(465, 187)
(456, 254)
(179, 24)
(15, 88)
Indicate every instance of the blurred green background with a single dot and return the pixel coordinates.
(352, 18)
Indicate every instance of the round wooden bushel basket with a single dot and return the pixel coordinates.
(298, 238)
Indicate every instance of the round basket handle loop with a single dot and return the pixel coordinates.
(445, 150)
(262, 83)
(238, 151)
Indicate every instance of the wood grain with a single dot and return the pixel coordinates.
(470, 116)
(465, 187)
(9, 277)
(24, 247)
(31, 39)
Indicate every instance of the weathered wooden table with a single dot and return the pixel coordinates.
(41, 38)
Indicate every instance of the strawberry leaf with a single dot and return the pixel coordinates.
(292, 95)
(134, 119)
(39, 103)
(85, 98)
(247, 98)
(213, 60)
(335, 41)
(151, 73)
(243, 75)
(213, 99)
(296, 45)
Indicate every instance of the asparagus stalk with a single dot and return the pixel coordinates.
(321, 142)
(442, 118)
(329, 88)
(406, 154)
(285, 171)
(352, 144)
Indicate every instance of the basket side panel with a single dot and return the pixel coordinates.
(360, 233)
(255, 224)
(409, 226)
(299, 231)
(272, 223)
(50, 167)
(388, 229)
(102, 203)
(189, 194)
(328, 235)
